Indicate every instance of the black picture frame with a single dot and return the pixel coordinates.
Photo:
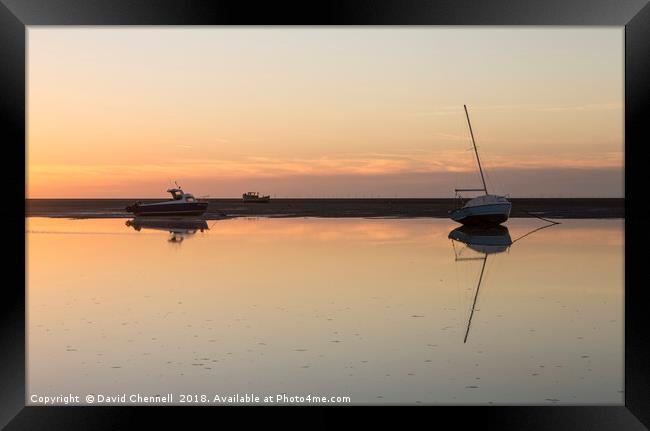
(15, 15)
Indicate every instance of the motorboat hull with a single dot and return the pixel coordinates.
(168, 209)
(482, 215)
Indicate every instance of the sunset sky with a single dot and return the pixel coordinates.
(324, 112)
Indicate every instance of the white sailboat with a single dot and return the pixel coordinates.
(482, 210)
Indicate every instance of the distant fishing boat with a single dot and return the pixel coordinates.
(255, 197)
(181, 204)
(482, 210)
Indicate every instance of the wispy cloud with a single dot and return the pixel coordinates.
(456, 110)
(361, 164)
(587, 107)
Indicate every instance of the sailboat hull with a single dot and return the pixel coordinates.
(482, 215)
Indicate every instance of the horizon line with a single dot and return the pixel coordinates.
(327, 197)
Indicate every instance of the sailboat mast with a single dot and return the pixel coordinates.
(480, 278)
(475, 150)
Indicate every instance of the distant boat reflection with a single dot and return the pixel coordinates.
(485, 241)
(179, 228)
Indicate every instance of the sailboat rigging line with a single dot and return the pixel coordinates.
(542, 218)
(469, 322)
(478, 160)
(551, 223)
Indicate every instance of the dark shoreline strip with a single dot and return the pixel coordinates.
(559, 208)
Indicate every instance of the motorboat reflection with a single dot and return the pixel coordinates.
(483, 242)
(179, 228)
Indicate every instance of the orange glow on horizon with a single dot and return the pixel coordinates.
(122, 112)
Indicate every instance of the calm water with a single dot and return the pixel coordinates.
(373, 309)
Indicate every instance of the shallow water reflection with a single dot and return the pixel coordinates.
(178, 228)
(374, 309)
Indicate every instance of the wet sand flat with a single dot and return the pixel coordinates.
(380, 207)
(375, 309)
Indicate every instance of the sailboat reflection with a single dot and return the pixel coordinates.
(483, 240)
(486, 241)
(179, 228)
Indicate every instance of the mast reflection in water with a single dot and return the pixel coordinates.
(486, 241)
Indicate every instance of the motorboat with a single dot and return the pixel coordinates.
(483, 210)
(255, 197)
(181, 204)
